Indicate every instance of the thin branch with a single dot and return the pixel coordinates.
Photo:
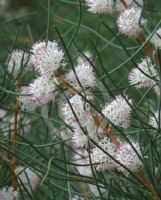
(14, 141)
(147, 184)
(108, 131)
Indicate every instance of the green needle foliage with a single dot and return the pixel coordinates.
(44, 142)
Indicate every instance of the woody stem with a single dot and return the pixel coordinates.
(124, 4)
(14, 140)
(147, 184)
(107, 131)
(96, 118)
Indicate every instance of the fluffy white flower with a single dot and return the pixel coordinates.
(100, 6)
(27, 178)
(141, 80)
(154, 120)
(7, 193)
(101, 160)
(156, 39)
(129, 3)
(128, 157)
(80, 108)
(128, 21)
(80, 158)
(16, 61)
(64, 131)
(47, 57)
(118, 111)
(157, 89)
(80, 139)
(37, 94)
(85, 75)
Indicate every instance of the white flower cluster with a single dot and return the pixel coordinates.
(119, 111)
(128, 22)
(27, 178)
(46, 58)
(124, 155)
(81, 159)
(85, 75)
(18, 61)
(80, 138)
(110, 6)
(128, 157)
(154, 120)
(144, 75)
(156, 39)
(101, 160)
(38, 93)
(7, 193)
(100, 6)
(76, 113)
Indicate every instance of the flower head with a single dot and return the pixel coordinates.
(156, 39)
(7, 193)
(81, 158)
(118, 111)
(47, 57)
(142, 76)
(80, 137)
(86, 76)
(75, 110)
(37, 94)
(100, 6)
(128, 157)
(27, 178)
(16, 61)
(128, 21)
(101, 160)
(154, 120)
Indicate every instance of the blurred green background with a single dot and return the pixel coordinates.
(24, 22)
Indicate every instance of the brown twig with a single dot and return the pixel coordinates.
(64, 83)
(108, 131)
(85, 189)
(147, 184)
(141, 38)
(147, 49)
(124, 4)
(14, 141)
(96, 118)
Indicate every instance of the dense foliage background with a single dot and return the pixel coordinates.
(24, 22)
